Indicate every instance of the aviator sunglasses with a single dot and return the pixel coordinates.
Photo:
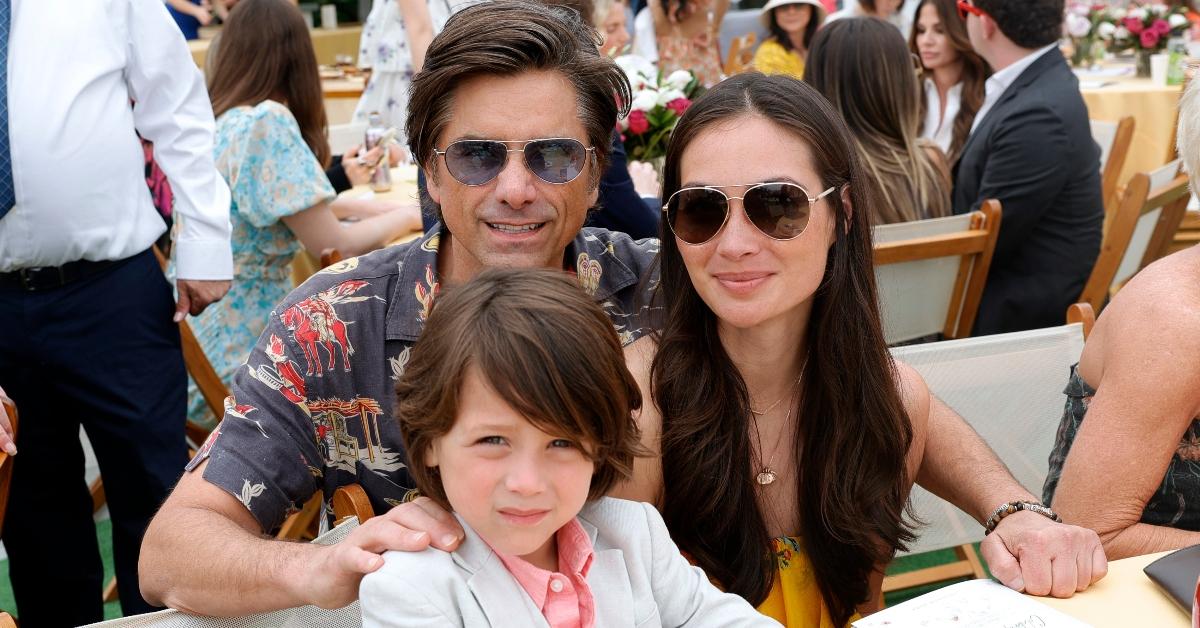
(556, 160)
(779, 210)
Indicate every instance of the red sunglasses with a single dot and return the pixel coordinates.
(965, 9)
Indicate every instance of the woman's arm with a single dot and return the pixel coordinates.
(318, 229)
(646, 485)
(1143, 356)
(418, 26)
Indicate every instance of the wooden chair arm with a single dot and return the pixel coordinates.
(351, 500)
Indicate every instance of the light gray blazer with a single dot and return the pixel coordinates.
(638, 578)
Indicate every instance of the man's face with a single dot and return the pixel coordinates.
(516, 219)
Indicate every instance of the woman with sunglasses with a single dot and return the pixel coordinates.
(772, 380)
(272, 151)
(864, 68)
(792, 23)
(789, 440)
(953, 73)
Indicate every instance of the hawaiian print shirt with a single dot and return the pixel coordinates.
(311, 410)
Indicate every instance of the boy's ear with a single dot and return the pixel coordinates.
(431, 456)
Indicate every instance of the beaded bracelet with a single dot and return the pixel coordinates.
(1009, 508)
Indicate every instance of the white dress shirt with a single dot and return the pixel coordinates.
(939, 125)
(78, 168)
(997, 83)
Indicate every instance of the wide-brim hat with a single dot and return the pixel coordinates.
(765, 15)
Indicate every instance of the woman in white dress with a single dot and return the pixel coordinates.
(395, 37)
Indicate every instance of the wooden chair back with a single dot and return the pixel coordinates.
(1008, 387)
(329, 257)
(1140, 231)
(741, 54)
(931, 273)
(6, 462)
(351, 501)
(1114, 139)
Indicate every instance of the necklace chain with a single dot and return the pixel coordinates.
(768, 475)
(785, 394)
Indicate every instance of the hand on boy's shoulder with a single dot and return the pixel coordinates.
(334, 581)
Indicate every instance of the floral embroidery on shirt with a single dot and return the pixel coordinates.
(249, 492)
(239, 411)
(588, 271)
(427, 292)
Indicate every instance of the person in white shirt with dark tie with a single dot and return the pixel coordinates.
(87, 317)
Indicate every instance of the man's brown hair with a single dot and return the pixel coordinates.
(545, 347)
(506, 38)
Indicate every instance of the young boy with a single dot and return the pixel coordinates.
(516, 412)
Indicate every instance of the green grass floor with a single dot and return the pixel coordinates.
(112, 610)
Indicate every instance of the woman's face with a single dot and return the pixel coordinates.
(885, 8)
(793, 18)
(933, 44)
(745, 277)
(616, 37)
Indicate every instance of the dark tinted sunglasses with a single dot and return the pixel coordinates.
(555, 160)
(779, 210)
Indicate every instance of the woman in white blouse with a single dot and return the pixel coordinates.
(953, 74)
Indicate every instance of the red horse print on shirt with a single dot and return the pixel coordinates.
(313, 322)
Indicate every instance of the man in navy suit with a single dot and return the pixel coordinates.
(1030, 147)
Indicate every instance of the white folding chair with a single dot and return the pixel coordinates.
(930, 274)
(1009, 388)
(1114, 139)
(737, 24)
(300, 617)
(1140, 231)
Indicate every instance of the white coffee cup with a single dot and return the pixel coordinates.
(1158, 68)
(329, 16)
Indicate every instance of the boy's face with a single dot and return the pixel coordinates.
(514, 484)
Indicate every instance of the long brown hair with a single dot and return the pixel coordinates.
(545, 347)
(863, 67)
(975, 72)
(266, 53)
(851, 434)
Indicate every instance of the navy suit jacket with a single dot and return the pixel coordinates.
(1035, 153)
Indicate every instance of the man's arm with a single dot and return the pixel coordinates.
(1027, 551)
(205, 554)
(172, 110)
(1027, 167)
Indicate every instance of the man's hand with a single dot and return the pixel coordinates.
(203, 13)
(195, 295)
(332, 582)
(1030, 553)
(6, 432)
(645, 179)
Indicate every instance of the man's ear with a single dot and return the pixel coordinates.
(989, 26)
(848, 205)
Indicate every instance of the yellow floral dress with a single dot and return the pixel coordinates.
(795, 600)
(772, 58)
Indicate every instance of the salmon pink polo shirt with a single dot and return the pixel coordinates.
(563, 596)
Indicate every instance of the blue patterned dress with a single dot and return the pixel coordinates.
(271, 174)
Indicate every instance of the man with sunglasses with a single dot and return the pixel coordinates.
(511, 121)
(1030, 147)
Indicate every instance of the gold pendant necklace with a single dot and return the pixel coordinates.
(768, 475)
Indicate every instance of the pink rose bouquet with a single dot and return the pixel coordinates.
(658, 103)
